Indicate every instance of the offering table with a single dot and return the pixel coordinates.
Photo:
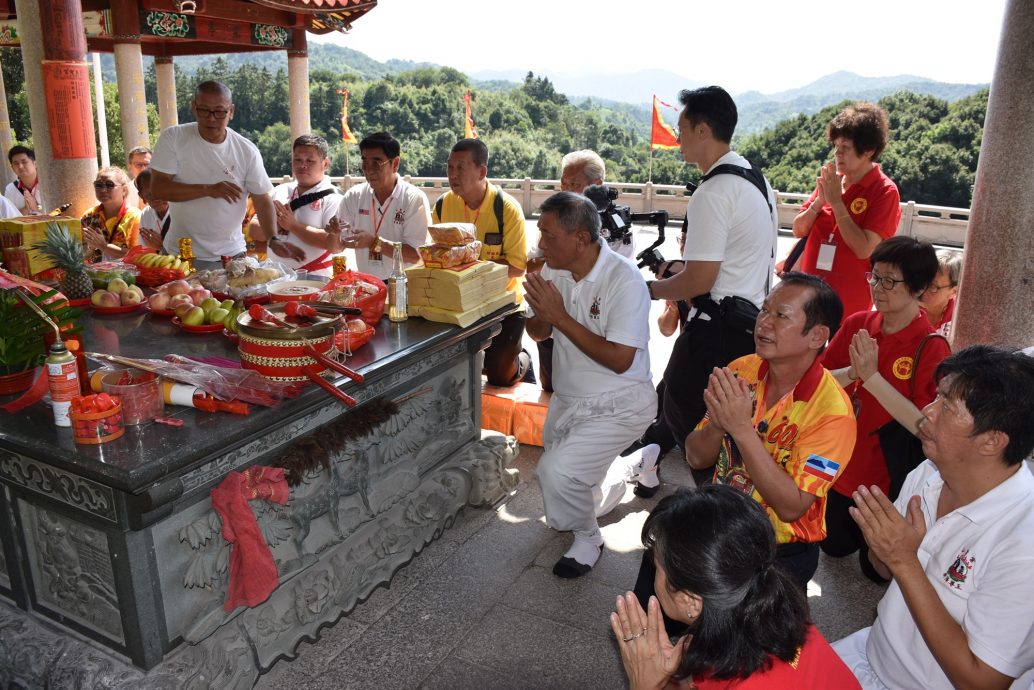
(119, 544)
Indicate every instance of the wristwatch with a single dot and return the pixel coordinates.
(649, 288)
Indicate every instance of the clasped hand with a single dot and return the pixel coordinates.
(545, 299)
(864, 354)
(647, 654)
(225, 190)
(892, 537)
(830, 185)
(730, 405)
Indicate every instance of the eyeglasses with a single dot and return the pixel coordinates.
(373, 163)
(104, 184)
(885, 282)
(208, 112)
(934, 289)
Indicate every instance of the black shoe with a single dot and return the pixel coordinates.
(525, 369)
(645, 491)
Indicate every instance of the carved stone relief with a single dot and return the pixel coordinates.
(71, 569)
(71, 490)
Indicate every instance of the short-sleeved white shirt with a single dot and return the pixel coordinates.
(15, 197)
(403, 216)
(611, 301)
(213, 224)
(980, 560)
(315, 215)
(149, 220)
(729, 221)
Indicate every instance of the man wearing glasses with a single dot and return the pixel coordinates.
(382, 210)
(137, 160)
(206, 171)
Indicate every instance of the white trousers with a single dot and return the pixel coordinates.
(582, 437)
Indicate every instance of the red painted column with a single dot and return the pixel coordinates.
(58, 88)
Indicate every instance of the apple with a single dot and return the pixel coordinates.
(194, 317)
(178, 287)
(217, 315)
(117, 285)
(208, 304)
(199, 295)
(182, 309)
(132, 295)
(179, 300)
(103, 298)
(159, 301)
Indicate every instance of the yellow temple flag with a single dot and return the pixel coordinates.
(468, 129)
(662, 136)
(346, 133)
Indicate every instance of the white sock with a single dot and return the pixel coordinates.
(586, 547)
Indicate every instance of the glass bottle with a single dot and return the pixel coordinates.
(398, 293)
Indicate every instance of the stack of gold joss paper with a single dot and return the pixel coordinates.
(458, 297)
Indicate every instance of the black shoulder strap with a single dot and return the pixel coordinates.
(497, 206)
(752, 175)
(438, 207)
(306, 199)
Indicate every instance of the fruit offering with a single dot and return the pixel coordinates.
(117, 294)
(67, 254)
(230, 322)
(161, 261)
(154, 268)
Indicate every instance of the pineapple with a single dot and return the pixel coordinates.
(67, 253)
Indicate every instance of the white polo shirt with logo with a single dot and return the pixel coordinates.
(980, 560)
(404, 216)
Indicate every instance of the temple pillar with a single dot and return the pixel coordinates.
(6, 135)
(165, 75)
(129, 73)
(57, 85)
(298, 84)
(996, 297)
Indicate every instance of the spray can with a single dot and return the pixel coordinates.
(63, 377)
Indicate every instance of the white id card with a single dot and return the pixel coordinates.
(826, 253)
(375, 265)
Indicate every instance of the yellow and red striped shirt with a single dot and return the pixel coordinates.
(809, 433)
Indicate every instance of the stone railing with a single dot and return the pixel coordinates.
(941, 225)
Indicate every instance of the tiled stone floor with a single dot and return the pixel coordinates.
(480, 608)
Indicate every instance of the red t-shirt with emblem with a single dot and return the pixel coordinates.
(816, 667)
(874, 204)
(894, 363)
(809, 433)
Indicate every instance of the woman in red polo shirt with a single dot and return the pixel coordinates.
(873, 357)
(748, 625)
(854, 206)
(939, 298)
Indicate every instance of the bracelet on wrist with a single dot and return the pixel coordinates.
(649, 288)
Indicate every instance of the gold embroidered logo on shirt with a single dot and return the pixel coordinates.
(859, 205)
(902, 368)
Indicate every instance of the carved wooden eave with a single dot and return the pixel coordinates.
(200, 27)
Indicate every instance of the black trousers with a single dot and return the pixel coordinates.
(702, 346)
(798, 560)
(546, 364)
(844, 536)
(501, 356)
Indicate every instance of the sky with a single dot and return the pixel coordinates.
(743, 45)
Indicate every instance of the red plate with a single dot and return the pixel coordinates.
(118, 310)
(81, 302)
(234, 338)
(206, 328)
(161, 312)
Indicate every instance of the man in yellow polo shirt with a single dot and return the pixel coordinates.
(500, 225)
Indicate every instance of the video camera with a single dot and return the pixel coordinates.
(616, 223)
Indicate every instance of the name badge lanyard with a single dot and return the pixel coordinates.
(827, 251)
(374, 254)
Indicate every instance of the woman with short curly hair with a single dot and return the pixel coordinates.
(854, 206)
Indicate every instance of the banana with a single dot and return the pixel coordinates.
(144, 260)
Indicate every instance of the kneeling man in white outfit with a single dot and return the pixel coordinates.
(595, 305)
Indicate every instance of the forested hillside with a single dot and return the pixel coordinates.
(529, 126)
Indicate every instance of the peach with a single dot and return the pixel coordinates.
(117, 285)
(159, 301)
(132, 295)
(179, 300)
(103, 298)
(199, 295)
(177, 287)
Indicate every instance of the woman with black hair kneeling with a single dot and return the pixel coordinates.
(748, 624)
